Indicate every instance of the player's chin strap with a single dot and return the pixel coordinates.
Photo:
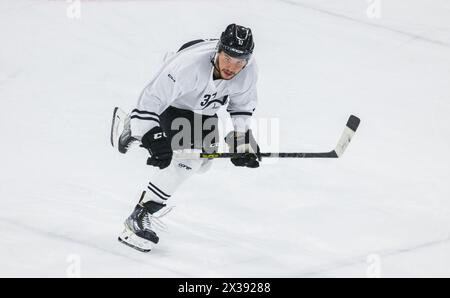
(213, 62)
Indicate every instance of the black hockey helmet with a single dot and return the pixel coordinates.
(237, 41)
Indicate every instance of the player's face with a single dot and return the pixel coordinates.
(229, 66)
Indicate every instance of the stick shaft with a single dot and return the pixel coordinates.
(331, 154)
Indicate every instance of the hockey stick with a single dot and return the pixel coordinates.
(346, 137)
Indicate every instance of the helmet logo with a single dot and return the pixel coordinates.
(241, 40)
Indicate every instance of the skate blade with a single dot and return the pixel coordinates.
(130, 239)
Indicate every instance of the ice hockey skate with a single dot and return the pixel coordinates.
(139, 232)
(121, 131)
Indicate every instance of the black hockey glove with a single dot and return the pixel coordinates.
(157, 143)
(244, 143)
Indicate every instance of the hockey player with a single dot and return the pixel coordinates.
(187, 91)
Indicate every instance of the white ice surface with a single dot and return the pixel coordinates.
(64, 192)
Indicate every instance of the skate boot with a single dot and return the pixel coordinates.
(125, 139)
(121, 131)
(140, 225)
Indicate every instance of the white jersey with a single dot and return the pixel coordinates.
(185, 81)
